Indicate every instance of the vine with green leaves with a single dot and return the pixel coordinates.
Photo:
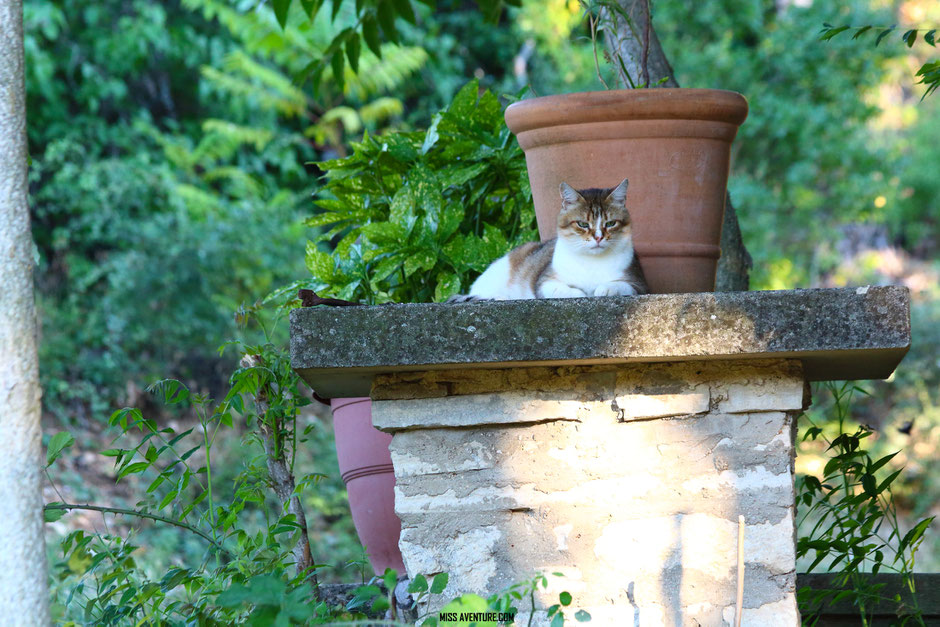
(855, 531)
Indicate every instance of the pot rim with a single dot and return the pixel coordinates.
(709, 105)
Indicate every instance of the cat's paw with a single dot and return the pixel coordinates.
(617, 288)
(560, 290)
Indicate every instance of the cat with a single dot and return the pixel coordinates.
(591, 256)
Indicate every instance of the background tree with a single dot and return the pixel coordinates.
(23, 591)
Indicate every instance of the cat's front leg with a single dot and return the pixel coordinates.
(615, 288)
(557, 289)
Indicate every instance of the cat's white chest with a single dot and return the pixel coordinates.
(587, 272)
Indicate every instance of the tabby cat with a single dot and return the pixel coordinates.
(591, 256)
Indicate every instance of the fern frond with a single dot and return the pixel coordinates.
(242, 184)
(377, 76)
(381, 109)
(238, 134)
(250, 90)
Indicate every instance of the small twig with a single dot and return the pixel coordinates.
(740, 603)
(646, 46)
(132, 512)
(309, 298)
(597, 68)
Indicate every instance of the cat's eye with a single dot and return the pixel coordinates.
(611, 224)
(583, 225)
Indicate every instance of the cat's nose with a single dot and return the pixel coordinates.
(598, 237)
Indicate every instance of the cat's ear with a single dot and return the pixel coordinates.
(569, 195)
(618, 195)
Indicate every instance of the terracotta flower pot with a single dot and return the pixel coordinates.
(673, 144)
(366, 467)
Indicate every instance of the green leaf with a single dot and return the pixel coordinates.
(881, 462)
(929, 37)
(418, 584)
(403, 7)
(52, 514)
(385, 268)
(558, 620)
(370, 32)
(58, 443)
(234, 596)
(565, 598)
(832, 32)
(868, 484)
(912, 536)
(319, 263)
(463, 103)
(167, 499)
(582, 617)
(380, 605)
(311, 8)
(402, 209)
(384, 233)
(419, 260)
(386, 16)
(352, 53)
(281, 9)
(439, 583)
(882, 35)
(172, 390)
(338, 65)
(861, 31)
(888, 481)
(390, 579)
(910, 37)
(431, 136)
(466, 603)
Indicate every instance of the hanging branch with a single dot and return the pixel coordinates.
(138, 514)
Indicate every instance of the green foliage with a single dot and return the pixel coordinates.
(854, 519)
(929, 72)
(242, 577)
(153, 218)
(416, 215)
(367, 18)
(805, 161)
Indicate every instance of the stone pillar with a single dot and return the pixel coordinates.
(612, 440)
(628, 481)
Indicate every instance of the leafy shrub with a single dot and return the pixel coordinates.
(849, 521)
(416, 215)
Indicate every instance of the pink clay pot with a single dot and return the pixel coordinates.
(366, 467)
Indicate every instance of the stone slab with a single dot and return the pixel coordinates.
(837, 334)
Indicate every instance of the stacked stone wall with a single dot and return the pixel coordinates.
(628, 480)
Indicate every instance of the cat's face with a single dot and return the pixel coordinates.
(593, 221)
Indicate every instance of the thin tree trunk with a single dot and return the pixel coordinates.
(282, 480)
(634, 41)
(23, 592)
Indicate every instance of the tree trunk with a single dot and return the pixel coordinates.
(635, 41)
(23, 592)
